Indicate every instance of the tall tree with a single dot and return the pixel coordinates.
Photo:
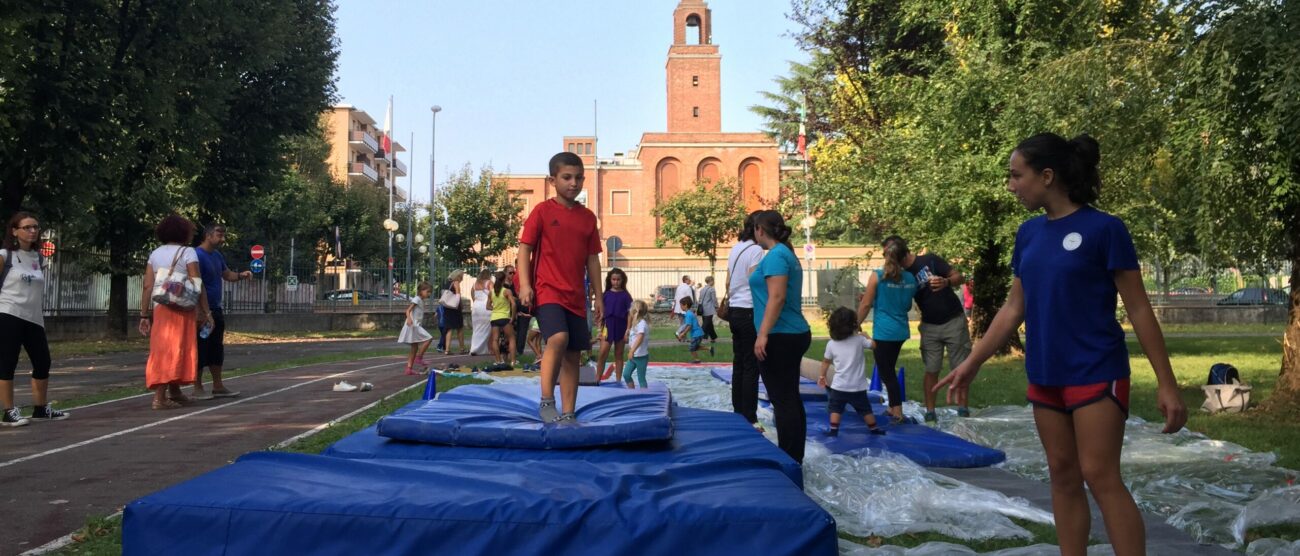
(701, 219)
(478, 217)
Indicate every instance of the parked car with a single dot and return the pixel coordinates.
(346, 295)
(1255, 296)
(663, 298)
(1190, 290)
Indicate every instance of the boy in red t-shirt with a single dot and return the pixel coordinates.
(558, 248)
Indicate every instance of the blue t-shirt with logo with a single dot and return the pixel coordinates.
(1067, 271)
(211, 267)
(889, 308)
(780, 261)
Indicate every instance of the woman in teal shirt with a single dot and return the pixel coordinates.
(783, 334)
(889, 290)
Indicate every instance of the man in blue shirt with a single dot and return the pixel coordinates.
(213, 269)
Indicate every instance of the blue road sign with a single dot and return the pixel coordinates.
(257, 265)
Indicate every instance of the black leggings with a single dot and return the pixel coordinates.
(16, 333)
(709, 331)
(780, 372)
(744, 366)
(886, 353)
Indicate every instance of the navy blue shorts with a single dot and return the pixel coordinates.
(837, 399)
(553, 319)
(695, 343)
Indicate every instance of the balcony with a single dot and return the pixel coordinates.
(399, 167)
(360, 172)
(364, 142)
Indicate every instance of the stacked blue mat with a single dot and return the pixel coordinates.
(689, 493)
(925, 446)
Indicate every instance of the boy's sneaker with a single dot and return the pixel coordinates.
(833, 432)
(47, 413)
(877, 431)
(546, 410)
(567, 419)
(930, 417)
(710, 349)
(963, 412)
(13, 418)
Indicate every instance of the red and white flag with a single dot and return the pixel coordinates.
(386, 144)
(803, 130)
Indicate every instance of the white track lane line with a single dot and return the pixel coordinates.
(147, 393)
(185, 416)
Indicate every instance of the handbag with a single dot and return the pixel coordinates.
(724, 306)
(177, 291)
(449, 299)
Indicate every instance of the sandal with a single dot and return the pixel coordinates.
(166, 404)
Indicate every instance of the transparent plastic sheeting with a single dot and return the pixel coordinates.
(1213, 490)
(870, 495)
(848, 548)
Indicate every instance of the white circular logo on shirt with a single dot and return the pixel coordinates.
(1072, 241)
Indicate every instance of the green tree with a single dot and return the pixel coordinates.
(701, 219)
(805, 83)
(478, 217)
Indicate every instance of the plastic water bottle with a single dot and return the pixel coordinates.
(206, 330)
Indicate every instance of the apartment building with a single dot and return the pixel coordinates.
(357, 156)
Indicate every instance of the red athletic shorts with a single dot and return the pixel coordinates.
(1066, 399)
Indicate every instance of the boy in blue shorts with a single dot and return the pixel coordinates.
(847, 351)
(558, 248)
(690, 325)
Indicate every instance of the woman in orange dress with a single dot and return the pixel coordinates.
(173, 340)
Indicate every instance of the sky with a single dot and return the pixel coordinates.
(514, 76)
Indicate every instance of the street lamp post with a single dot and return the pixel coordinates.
(433, 191)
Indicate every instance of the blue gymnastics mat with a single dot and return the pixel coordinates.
(699, 436)
(808, 390)
(280, 503)
(926, 446)
(505, 416)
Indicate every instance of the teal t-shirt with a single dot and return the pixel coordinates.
(780, 261)
(889, 309)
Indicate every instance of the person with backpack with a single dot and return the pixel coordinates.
(22, 320)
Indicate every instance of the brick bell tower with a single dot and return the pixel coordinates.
(694, 71)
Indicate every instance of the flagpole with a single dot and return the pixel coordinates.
(410, 217)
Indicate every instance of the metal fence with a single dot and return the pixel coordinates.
(1191, 283)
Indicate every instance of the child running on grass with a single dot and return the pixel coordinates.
(691, 326)
(638, 336)
(558, 247)
(413, 332)
(1069, 265)
(847, 351)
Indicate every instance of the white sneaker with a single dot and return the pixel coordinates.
(344, 386)
(366, 387)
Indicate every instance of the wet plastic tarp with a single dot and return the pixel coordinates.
(699, 435)
(278, 503)
(1200, 485)
(505, 416)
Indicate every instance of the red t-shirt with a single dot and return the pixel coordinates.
(562, 239)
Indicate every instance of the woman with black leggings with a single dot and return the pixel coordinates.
(22, 321)
(890, 290)
(783, 334)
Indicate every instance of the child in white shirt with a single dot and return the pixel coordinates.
(847, 351)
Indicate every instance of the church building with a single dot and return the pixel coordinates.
(624, 189)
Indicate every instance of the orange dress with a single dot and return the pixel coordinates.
(173, 347)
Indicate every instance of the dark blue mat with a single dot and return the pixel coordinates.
(925, 446)
(279, 503)
(505, 416)
(699, 436)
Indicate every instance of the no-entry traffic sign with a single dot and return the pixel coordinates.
(257, 251)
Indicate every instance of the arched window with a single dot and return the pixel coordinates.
(693, 29)
(667, 182)
(710, 170)
(751, 183)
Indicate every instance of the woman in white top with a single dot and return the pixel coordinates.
(481, 314)
(172, 332)
(22, 321)
(741, 261)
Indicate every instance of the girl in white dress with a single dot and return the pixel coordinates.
(481, 314)
(413, 332)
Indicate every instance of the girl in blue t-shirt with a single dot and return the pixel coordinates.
(1069, 264)
(890, 290)
(776, 286)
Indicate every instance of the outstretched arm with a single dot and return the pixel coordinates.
(1004, 324)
